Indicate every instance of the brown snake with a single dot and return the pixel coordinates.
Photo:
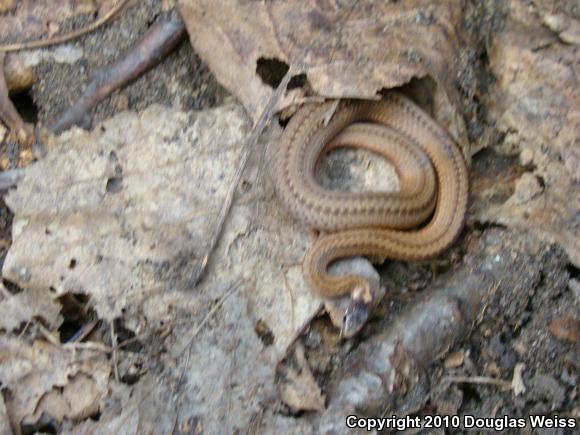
(434, 183)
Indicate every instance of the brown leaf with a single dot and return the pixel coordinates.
(344, 51)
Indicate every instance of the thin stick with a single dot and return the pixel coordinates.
(86, 345)
(244, 157)
(48, 335)
(187, 348)
(249, 146)
(115, 353)
(233, 290)
(5, 291)
(83, 332)
(41, 43)
(479, 380)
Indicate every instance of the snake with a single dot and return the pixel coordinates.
(417, 222)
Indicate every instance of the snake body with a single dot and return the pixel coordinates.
(430, 166)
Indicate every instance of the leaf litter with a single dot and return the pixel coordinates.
(93, 219)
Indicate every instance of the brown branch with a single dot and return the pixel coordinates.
(29, 45)
(158, 42)
(384, 368)
(115, 352)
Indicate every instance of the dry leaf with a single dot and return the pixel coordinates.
(536, 105)
(123, 214)
(300, 391)
(26, 305)
(42, 377)
(119, 213)
(344, 51)
(77, 400)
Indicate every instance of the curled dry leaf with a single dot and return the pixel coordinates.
(345, 49)
(43, 378)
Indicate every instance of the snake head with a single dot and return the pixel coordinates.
(358, 311)
(355, 317)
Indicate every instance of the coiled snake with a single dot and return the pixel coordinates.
(433, 178)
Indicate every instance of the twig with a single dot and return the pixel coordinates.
(115, 353)
(187, 348)
(507, 385)
(233, 290)
(83, 332)
(243, 161)
(158, 42)
(29, 45)
(48, 335)
(28, 323)
(257, 130)
(87, 345)
(417, 336)
(5, 291)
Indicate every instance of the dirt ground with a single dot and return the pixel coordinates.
(529, 324)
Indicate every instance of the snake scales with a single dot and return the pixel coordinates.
(434, 184)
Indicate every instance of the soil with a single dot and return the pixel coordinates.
(180, 81)
(519, 326)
